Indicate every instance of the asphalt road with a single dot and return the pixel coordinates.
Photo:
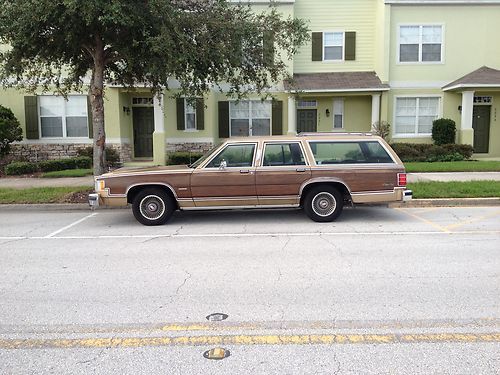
(380, 291)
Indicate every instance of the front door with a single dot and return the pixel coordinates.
(481, 126)
(144, 123)
(307, 121)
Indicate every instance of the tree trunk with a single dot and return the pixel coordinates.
(96, 93)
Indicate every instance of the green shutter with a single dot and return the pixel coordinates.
(200, 114)
(89, 118)
(224, 119)
(268, 48)
(350, 45)
(277, 121)
(180, 114)
(317, 46)
(31, 113)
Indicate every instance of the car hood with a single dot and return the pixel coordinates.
(139, 170)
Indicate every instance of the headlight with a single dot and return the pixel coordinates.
(99, 185)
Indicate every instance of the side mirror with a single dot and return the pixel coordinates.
(223, 165)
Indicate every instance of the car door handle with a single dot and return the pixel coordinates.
(300, 169)
(244, 171)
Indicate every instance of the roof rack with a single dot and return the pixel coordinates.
(331, 133)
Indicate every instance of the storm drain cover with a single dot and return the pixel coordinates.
(217, 317)
(216, 353)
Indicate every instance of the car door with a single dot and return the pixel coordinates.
(281, 173)
(228, 179)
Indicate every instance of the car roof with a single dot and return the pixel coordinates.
(310, 137)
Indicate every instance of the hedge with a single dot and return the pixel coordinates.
(182, 158)
(410, 152)
(112, 156)
(18, 168)
(443, 131)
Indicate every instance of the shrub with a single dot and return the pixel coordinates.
(56, 165)
(20, 167)
(10, 130)
(382, 129)
(83, 162)
(409, 152)
(112, 156)
(443, 131)
(182, 158)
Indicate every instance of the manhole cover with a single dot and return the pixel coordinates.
(217, 317)
(216, 353)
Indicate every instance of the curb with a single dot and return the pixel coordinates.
(447, 202)
(54, 207)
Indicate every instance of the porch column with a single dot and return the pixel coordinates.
(375, 109)
(292, 114)
(466, 131)
(159, 146)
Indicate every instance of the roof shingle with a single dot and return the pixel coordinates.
(481, 77)
(336, 82)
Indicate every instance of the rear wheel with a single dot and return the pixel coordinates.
(323, 203)
(153, 206)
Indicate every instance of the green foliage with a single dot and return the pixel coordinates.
(10, 130)
(68, 173)
(409, 152)
(56, 165)
(20, 167)
(382, 129)
(443, 131)
(454, 166)
(182, 158)
(112, 156)
(40, 195)
(455, 189)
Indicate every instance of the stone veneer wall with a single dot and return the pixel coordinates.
(198, 147)
(35, 152)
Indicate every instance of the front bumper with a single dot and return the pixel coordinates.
(94, 200)
(407, 195)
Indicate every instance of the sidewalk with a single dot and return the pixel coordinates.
(24, 183)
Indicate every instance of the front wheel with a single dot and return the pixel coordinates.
(153, 206)
(323, 203)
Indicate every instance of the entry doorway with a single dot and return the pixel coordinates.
(481, 125)
(143, 124)
(307, 120)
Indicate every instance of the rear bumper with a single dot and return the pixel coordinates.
(407, 195)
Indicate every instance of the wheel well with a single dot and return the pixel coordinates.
(136, 189)
(338, 185)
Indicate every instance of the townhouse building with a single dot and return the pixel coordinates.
(400, 61)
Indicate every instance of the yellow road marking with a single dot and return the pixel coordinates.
(473, 220)
(437, 226)
(135, 342)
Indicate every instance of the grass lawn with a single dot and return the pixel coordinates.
(42, 195)
(454, 166)
(455, 189)
(67, 173)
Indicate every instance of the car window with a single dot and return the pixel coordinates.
(349, 152)
(283, 154)
(237, 155)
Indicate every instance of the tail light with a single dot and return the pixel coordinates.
(401, 179)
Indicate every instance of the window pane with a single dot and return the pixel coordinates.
(337, 122)
(337, 153)
(190, 108)
(261, 109)
(76, 106)
(190, 121)
(240, 128)
(77, 127)
(240, 110)
(431, 52)
(261, 127)
(425, 124)
(51, 126)
(334, 39)
(235, 156)
(431, 34)
(408, 52)
(333, 53)
(51, 106)
(409, 34)
(283, 154)
(376, 153)
(406, 106)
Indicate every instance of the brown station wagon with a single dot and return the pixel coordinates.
(319, 172)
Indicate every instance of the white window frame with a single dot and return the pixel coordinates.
(419, 62)
(63, 118)
(342, 112)
(334, 45)
(186, 105)
(415, 134)
(250, 116)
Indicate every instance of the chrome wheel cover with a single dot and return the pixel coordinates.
(152, 207)
(324, 204)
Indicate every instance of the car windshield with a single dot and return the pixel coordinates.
(205, 156)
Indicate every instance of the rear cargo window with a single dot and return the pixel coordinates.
(349, 153)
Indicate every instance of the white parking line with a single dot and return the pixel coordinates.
(70, 225)
(247, 235)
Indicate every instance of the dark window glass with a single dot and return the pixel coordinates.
(234, 156)
(283, 154)
(408, 52)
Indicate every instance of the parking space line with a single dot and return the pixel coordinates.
(473, 220)
(51, 235)
(437, 226)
